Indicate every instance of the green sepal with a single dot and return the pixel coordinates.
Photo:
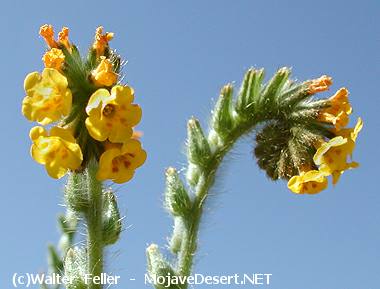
(177, 236)
(68, 225)
(249, 92)
(76, 192)
(192, 174)
(158, 266)
(198, 148)
(116, 61)
(177, 200)
(75, 269)
(92, 60)
(222, 116)
(271, 93)
(291, 96)
(112, 224)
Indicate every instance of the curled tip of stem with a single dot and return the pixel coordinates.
(284, 143)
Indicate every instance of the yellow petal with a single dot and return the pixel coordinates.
(55, 170)
(65, 134)
(334, 142)
(37, 155)
(96, 99)
(295, 185)
(36, 132)
(31, 80)
(124, 177)
(105, 164)
(357, 129)
(96, 128)
(124, 94)
(336, 176)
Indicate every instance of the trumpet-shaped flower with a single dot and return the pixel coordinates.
(338, 111)
(58, 150)
(101, 41)
(320, 84)
(119, 162)
(310, 182)
(331, 156)
(54, 58)
(103, 74)
(112, 116)
(48, 97)
(63, 38)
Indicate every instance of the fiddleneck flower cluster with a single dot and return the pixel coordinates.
(92, 115)
(331, 156)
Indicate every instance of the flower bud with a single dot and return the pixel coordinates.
(198, 148)
(111, 219)
(177, 200)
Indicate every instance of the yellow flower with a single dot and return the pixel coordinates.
(320, 84)
(58, 151)
(310, 182)
(47, 32)
(119, 162)
(101, 41)
(103, 74)
(48, 97)
(112, 116)
(331, 156)
(54, 58)
(338, 111)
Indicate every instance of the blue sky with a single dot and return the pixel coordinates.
(180, 53)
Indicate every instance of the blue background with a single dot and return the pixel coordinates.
(180, 53)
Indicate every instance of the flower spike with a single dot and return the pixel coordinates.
(82, 96)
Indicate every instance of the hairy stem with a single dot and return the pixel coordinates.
(205, 183)
(95, 244)
(285, 141)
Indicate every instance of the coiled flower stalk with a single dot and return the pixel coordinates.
(86, 126)
(301, 139)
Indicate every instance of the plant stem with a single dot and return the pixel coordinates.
(204, 185)
(95, 243)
